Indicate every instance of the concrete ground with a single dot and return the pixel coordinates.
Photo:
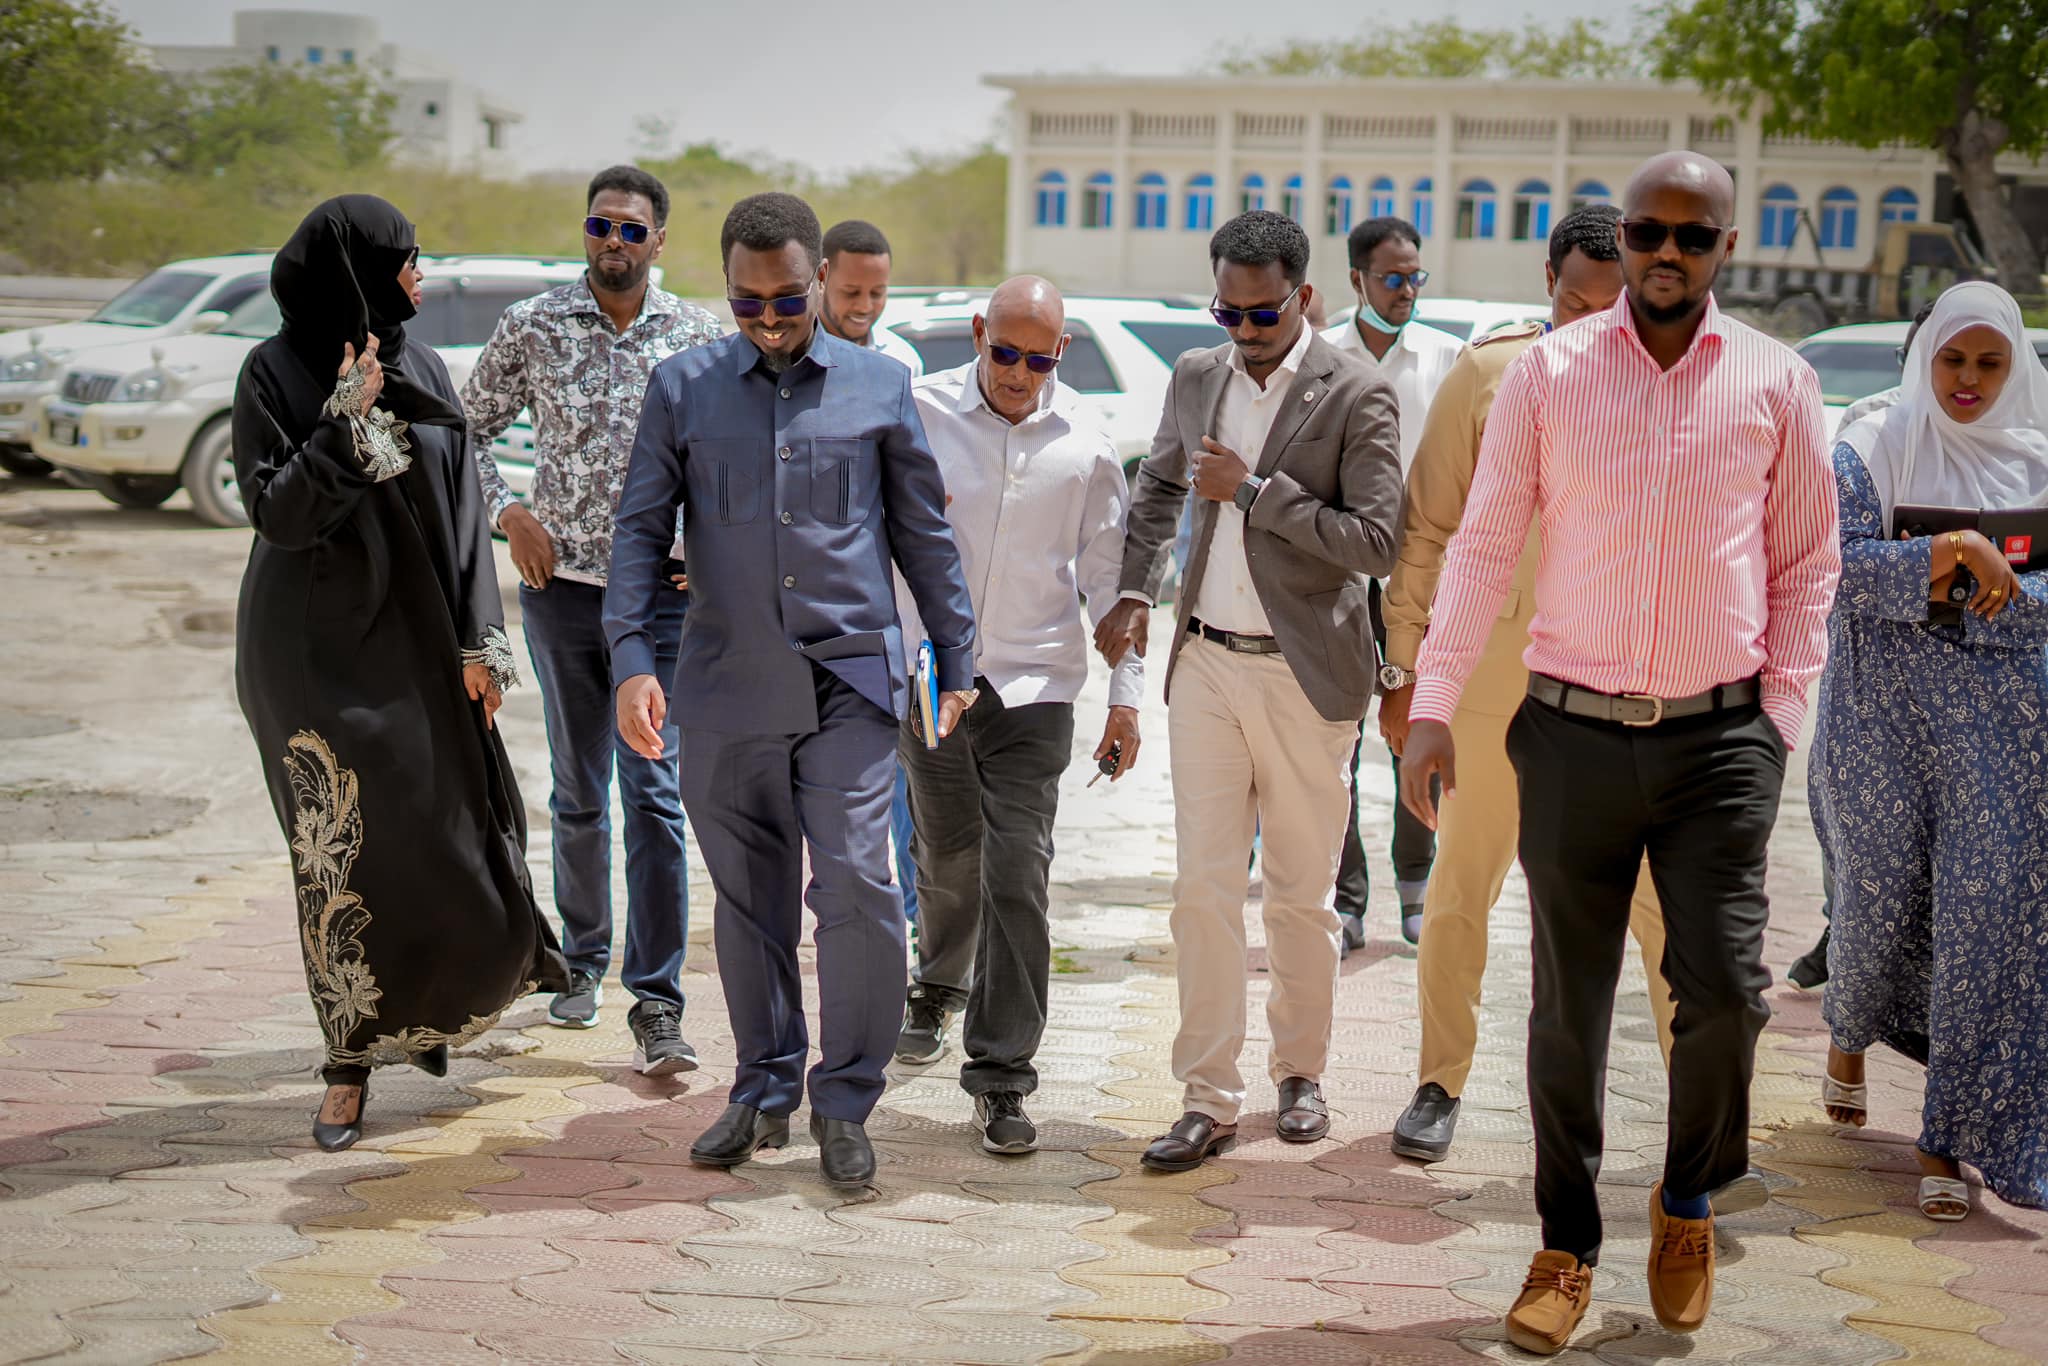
(163, 1199)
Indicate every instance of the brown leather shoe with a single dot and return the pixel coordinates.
(1303, 1116)
(1681, 1266)
(1553, 1300)
(1184, 1147)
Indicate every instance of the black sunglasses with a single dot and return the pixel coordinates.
(788, 306)
(1394, 279)
(1036, 362)
(1694, 239)
(1234, 318)
(631, 233)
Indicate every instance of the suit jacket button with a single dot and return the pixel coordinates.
(787, 518)
(784, 452)
(785, 393)
(789, 580)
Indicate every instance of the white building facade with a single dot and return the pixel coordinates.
(439, 121)
(1117, 183)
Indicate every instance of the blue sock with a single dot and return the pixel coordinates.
(1699, 1207)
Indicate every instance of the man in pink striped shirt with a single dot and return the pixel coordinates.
(1677, 461)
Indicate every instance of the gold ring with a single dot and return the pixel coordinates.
(1998, 592)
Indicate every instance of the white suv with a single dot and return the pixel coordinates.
(136, 422)
(184, 296)
(1121, 355)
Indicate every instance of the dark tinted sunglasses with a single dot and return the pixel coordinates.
(631, 233)
(1694, 239)
(1395, 280)
(1035, 362)
(788, 306)
(1234, 318)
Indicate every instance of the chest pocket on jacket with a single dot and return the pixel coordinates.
(721, 482)
(844, 479)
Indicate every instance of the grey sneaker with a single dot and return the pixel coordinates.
(576, 1008)
(1353, 937)
(1005, 1128)
(924, 1028)
(660, 1050)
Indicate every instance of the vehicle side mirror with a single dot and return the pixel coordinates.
(208, 319)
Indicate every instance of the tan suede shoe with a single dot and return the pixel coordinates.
(1681, 1266)
(1553, 1300)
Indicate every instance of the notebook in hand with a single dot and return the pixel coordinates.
(2021, 533)
(926, 698)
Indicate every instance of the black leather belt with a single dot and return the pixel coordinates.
(1231, 640)
(1638, 709)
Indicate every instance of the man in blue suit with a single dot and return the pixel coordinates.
(802, 472)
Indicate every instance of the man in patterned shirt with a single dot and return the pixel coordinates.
(579, 357)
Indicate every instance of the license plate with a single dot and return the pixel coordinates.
(63, 431)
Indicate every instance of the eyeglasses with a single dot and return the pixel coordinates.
(1234, 318)
(788, 306)
(1036, 362)
(1694, 239)
(1395, 280)
(631, 233)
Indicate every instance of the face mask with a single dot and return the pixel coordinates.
(1371, 317)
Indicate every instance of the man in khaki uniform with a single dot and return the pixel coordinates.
(1478, 825)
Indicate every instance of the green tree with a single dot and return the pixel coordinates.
(291, 123)
(1580, 49)
(71, 85)
(1968, 78)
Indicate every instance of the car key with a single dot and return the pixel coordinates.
(1105, 768)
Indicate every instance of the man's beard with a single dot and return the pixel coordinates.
(775, 362)
(618, 281)
(1671, 313)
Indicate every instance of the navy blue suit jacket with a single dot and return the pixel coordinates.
(797, 491)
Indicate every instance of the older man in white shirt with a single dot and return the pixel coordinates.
(1036, 499)
(1387, 276)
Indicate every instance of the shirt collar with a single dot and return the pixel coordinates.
(1051, 399)
(1290, 364)
(823, 352)
(1713, 323)
(576, 298)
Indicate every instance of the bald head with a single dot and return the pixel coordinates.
(1027, 300)
(1686, 173)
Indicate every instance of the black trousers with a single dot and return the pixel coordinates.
(983, 804)
(1414, 850)
(1700, 796)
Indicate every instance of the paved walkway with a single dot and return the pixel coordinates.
(163, 1198)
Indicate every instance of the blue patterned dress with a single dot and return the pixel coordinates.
(1929, 784)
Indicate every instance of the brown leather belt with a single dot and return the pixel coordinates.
(1231, 640)
(1638, 709)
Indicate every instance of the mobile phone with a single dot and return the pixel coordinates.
(927, 698)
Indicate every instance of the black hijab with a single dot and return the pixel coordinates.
(336, 283)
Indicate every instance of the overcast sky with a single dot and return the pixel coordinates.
(831, 84)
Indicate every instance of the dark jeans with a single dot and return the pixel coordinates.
(565, 637)
(1414, 849)
(1699, 795)
(984, 802)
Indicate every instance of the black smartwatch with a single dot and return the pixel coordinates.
(1247, 491)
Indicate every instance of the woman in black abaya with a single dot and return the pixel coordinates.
(371, 652)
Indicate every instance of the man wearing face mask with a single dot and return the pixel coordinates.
(1387, 276)
(578, 356)
(1036, 499)
(802, 472)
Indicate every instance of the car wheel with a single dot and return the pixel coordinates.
(209, 476)
(20, 460)
(132, 490)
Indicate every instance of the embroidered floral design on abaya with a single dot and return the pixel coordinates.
(327, 834)
(495, 654)
(379, 437)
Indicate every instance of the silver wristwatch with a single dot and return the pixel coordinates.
(1393, 677)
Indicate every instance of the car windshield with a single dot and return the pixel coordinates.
(257, 317)
(1850, 370)
(467, 316)
(154, 300)
(1168, 340)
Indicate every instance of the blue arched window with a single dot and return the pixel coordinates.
(1251, 193)
(1151, 202)
(1382, 205)
(1588, 192)
(1052, 200)
(1780, 217)
(1476, 210)
(1201, 203)
(1838, 217)
(1532, 211)
(1098, 200)
(1899, 205)
(1422, 206)
(1293, 201)
(1337, 206)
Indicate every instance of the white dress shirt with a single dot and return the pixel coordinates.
(1227, 599)
(895, 348)
(1037, 510)
(1415, 365)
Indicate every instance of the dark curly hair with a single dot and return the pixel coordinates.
(1260, 238)
(1589, 231)
(1374, 231)
(768, 222)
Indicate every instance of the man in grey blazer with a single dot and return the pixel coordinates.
(1291, 448)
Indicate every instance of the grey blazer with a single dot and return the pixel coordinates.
(1327, 522)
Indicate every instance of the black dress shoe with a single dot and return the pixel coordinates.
(1187, 1144)
(1810, 969)
(1303, 1116)
(737, 1135)
(335, 1137)
(1425, 1128)
(844, 1153)
(433, 1062)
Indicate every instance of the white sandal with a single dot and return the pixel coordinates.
(1845, 1095)
(1936, 1191)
